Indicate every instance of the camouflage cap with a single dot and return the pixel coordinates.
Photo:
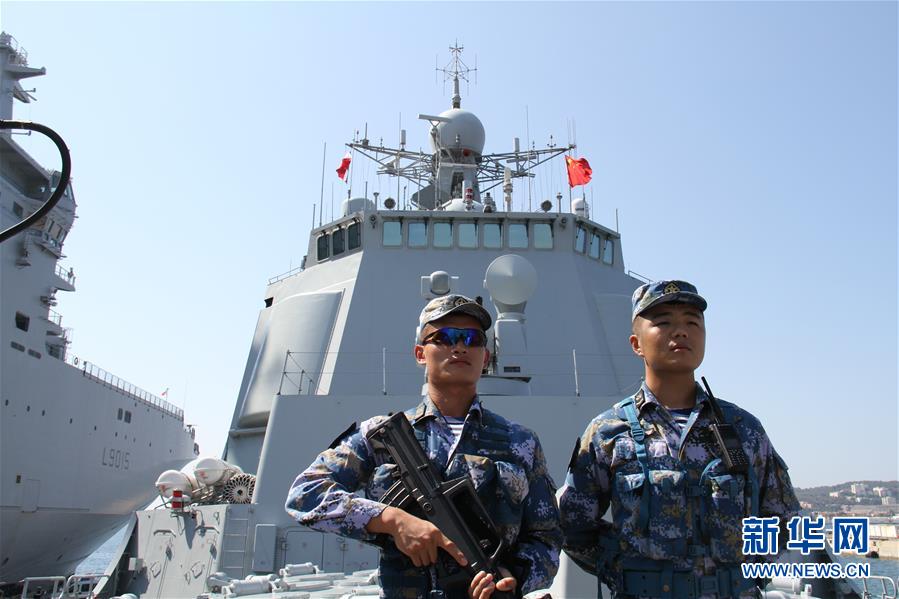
(445, 305)
(651, 294)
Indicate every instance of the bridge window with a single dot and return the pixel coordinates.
(543, 236)
(127, 416)
(337, 246)
(418, 234)
(443, 235)
(518, 235)
(580, 239)
(119, 416)
(493, 235)
(324, 249)
(392, 233)
(595, 245)
(22, 321)
(468, 235)
(353, 238)
(608, 252)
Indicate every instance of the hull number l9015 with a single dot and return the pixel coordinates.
(116, 458)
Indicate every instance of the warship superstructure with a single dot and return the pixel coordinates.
(79, 447)
(333, 345)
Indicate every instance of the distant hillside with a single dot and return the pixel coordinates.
(820, 497)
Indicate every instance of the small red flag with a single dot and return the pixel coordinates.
(344, 167)
(579, 171)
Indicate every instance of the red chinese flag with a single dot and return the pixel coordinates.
(579, 171)
(344, 167)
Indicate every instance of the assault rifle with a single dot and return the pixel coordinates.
(452, 506)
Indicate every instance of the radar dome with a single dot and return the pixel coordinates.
(464, 124)
(511, 279)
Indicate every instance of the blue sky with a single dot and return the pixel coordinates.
(748, 147)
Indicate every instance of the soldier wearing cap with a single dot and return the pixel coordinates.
(460, 436)
(677, 501)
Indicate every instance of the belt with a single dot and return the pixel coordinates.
(726, 582)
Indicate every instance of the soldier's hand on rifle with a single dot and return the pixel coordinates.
(416, 538)
(482, 585)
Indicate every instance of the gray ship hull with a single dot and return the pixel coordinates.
(72, 470)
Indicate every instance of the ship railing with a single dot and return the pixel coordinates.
(107, 379)
(637, 275)
(54, 317)
(285, 275)
(879, 590)
(66, 275)
(21, 56)
(572, 370)
(43, 238)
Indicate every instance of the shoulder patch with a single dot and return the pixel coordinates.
(573, 460)
(349, 431)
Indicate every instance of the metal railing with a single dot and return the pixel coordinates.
(21, 56)
(107, 379)
(66, 275)
(54, 317)
(884, 593)
(43, 238)
(302, 372)
(637, 275)
(285, 275)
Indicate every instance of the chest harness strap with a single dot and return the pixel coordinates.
(657, 578)
(639, 435)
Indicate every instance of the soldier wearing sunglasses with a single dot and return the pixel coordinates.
(460, 436)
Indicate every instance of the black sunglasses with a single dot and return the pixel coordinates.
(450, 336)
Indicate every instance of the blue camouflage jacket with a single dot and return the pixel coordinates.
(504, 460)
(695, 508)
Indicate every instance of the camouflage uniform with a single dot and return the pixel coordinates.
(507, 467)
(681, 534)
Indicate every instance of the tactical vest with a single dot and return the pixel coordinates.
(650, 510)
(491, 469)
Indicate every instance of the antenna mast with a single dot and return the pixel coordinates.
(456, 70)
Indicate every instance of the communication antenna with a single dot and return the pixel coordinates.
(456, 70)
(527, 130)
(322, 195)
